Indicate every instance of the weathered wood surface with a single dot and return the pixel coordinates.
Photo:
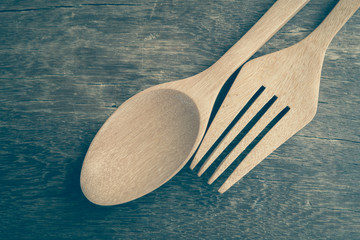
(64, 68)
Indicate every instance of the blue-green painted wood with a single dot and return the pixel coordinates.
(64, 68)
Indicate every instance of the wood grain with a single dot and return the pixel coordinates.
(66, 66)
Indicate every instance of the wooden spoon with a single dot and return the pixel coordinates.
(152, 135)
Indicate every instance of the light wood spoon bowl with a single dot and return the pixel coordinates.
(152, 135)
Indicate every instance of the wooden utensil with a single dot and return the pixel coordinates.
(272, 98)
(152, 135)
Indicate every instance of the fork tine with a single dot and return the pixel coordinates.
(218, 130)
(247, 139)
(239, 126)
(269, 140)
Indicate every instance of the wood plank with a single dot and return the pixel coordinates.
(66, 66)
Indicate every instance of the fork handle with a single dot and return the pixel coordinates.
(276, 17)
(326, 31)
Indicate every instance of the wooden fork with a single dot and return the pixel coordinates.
(272, 98)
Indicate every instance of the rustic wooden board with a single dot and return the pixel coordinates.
(64, 68)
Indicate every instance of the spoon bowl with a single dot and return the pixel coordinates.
(167, 128)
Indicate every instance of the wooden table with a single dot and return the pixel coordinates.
(66, 65)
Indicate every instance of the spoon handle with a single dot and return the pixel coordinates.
(276, 17)
(326, 31)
